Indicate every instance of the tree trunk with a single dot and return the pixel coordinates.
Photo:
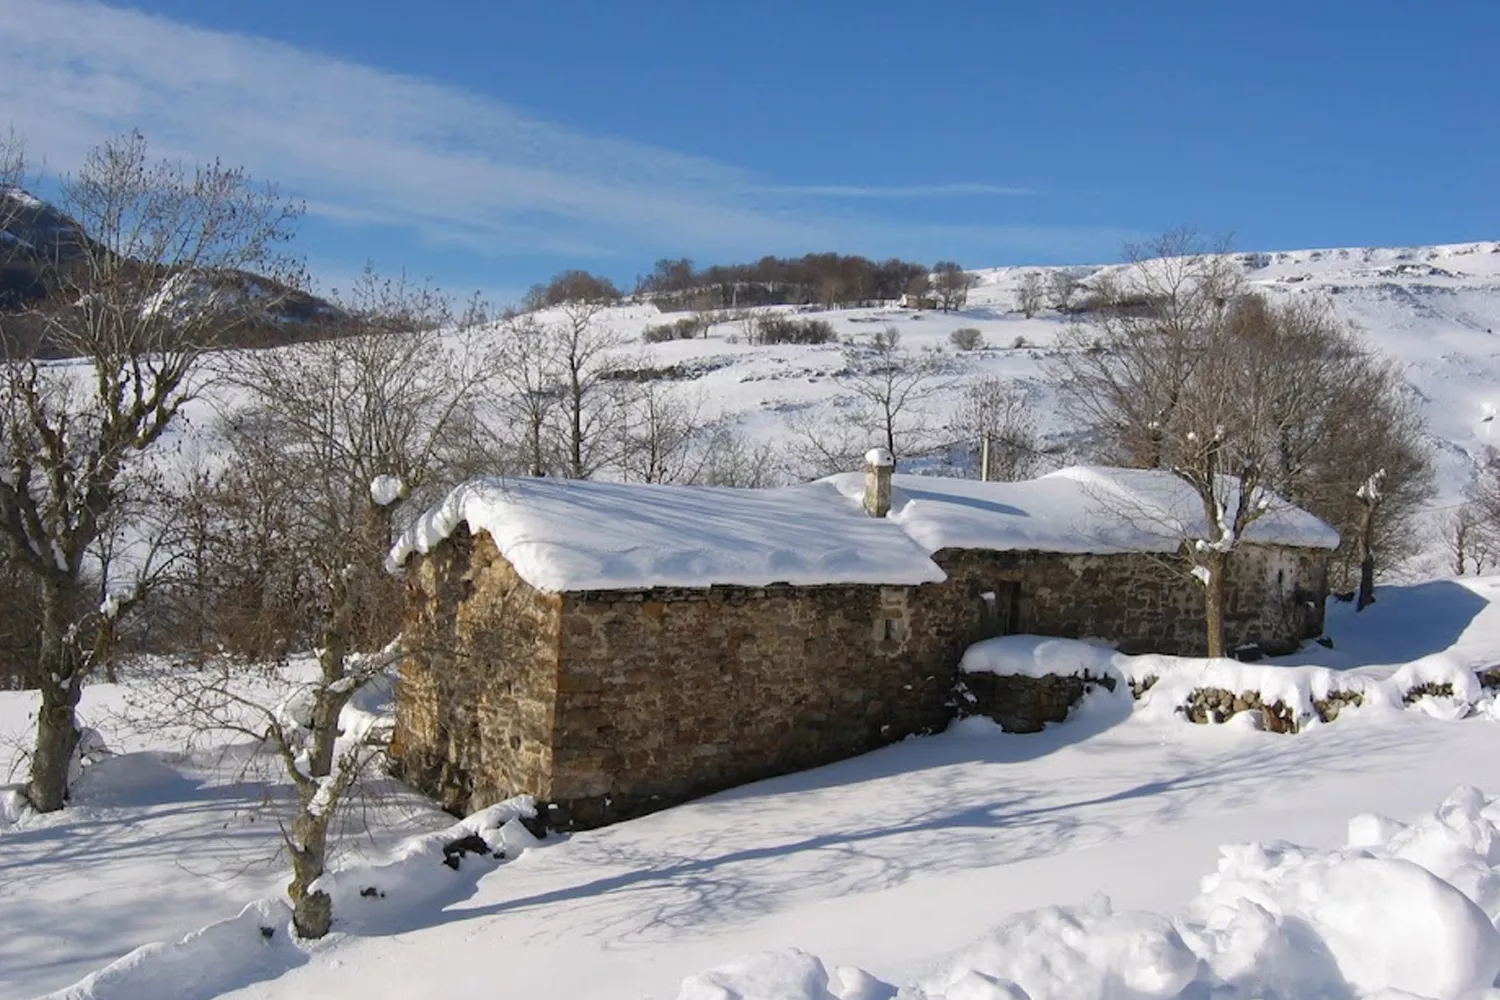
(57, 721)
(1366, 558)
(1213, 603)
(312, 910)
(576, 430)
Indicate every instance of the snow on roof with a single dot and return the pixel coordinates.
(571, 535)
(1081, 509)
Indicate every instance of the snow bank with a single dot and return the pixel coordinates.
(1070, 954)
(569, 535)
(221, 957)
(783, 975)
(13, 805)
(1400, 911)
(258, 944)
(414, 878)
(1440, 684)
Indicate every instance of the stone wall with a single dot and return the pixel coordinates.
(477, 693)
(1142, 603)
(1026, 704)
(669, 694)
(610, 704)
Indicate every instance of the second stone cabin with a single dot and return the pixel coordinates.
(614, 648)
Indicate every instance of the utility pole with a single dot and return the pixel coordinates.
(984, 456)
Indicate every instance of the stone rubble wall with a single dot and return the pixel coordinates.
(477, 693)
(1143, 603)
(669, 694)
(1026, 704)
(606, 705)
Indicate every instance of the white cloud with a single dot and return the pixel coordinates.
(367, 147)
(960, 190)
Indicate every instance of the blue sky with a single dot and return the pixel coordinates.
(489, 145)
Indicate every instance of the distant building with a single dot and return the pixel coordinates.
(613, 648)
(913, 301)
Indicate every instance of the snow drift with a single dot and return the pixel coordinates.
(1399, 911)
(258, 943)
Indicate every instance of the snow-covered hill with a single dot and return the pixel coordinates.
(1434, 309)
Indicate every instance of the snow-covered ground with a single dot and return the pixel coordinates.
(888, 862)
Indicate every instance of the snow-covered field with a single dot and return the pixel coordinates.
(919, 863)
(887, 863)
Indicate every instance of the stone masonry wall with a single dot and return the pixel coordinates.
(477, 694)
(1140, 602)
(610, 704)
(668, 694)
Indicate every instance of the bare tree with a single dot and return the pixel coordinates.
(136, 303)
(1210, 384)
(919, 286)
(662, 433)
(581, 347)
(1368, 469)
(994, 414)
(1063, 287)
(572, 286)
(334, 437)
(822, 441)
(952, 284)
(891, 387)
(1469, 538)
(730, 460)
(1030, 293)
(1476, 533)
(527, 369)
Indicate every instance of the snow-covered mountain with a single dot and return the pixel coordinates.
(37, 240)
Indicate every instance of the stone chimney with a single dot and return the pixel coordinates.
(879, 464)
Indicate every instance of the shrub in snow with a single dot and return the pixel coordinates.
(966, 338)
(774, 328)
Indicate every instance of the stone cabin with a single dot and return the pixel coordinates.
(614, 648)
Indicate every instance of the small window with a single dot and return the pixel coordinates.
(895, 629)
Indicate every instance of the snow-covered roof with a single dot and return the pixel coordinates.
(1080, 509)
(570, 535)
